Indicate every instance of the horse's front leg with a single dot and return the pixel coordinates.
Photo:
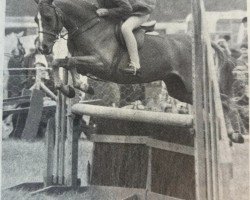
(86, 62)
(55, 72)
(78, 84)
(65, 89)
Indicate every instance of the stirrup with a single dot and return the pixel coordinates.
(131, 70)
(148, 26)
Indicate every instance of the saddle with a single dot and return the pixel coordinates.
(145, 28)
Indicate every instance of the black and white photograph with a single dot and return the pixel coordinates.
(124, 100)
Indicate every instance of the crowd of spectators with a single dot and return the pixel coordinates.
(239, 54)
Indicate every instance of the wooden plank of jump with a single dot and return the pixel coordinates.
(71, 145)
(223, 152)
(207, 127)
(50, 144)
(198, 63)
(57, 133)
(213, 142)
(16, 111)
(13, 99)
(34, 116)
(62, 135)
(16, 102)
(150, 142)
(25, 110)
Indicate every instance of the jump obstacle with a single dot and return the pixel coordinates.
(172, 157)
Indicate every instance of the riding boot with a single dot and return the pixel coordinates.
(132, 69)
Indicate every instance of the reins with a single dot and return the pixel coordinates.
(76, 31)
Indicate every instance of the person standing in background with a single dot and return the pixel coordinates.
(242, 35)
(30, 61)
(15, 77)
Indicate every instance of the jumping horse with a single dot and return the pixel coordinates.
(97, 50)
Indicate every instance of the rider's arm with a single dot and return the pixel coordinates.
(123, 8)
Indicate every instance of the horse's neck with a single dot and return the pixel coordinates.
(101, 40)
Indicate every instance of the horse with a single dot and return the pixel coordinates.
(96, 50)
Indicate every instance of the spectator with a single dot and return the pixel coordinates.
(15, 77)
(30, 61)
(243, 59)
(242, 35)
(224, 45)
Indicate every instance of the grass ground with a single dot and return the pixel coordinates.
(24, 162)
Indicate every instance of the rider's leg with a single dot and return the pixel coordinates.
(127, 30)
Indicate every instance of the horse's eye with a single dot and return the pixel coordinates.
(48, 19)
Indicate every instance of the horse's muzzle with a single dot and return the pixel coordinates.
(45, 49)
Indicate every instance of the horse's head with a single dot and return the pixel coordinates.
(49, 24)
(54, 15)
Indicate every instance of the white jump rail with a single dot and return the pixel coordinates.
(134, 115)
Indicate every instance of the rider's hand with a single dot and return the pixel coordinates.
(101, 12)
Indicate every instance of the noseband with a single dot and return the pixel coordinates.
(58, 18)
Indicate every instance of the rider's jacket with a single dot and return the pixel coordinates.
(126, 8)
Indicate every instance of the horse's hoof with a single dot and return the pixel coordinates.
(236, 138)
(86, 89)
(90, 91)
(68, 91)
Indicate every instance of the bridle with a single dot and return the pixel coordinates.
(76, 31)
(58, 18)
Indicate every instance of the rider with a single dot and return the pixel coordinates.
(134, 13)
